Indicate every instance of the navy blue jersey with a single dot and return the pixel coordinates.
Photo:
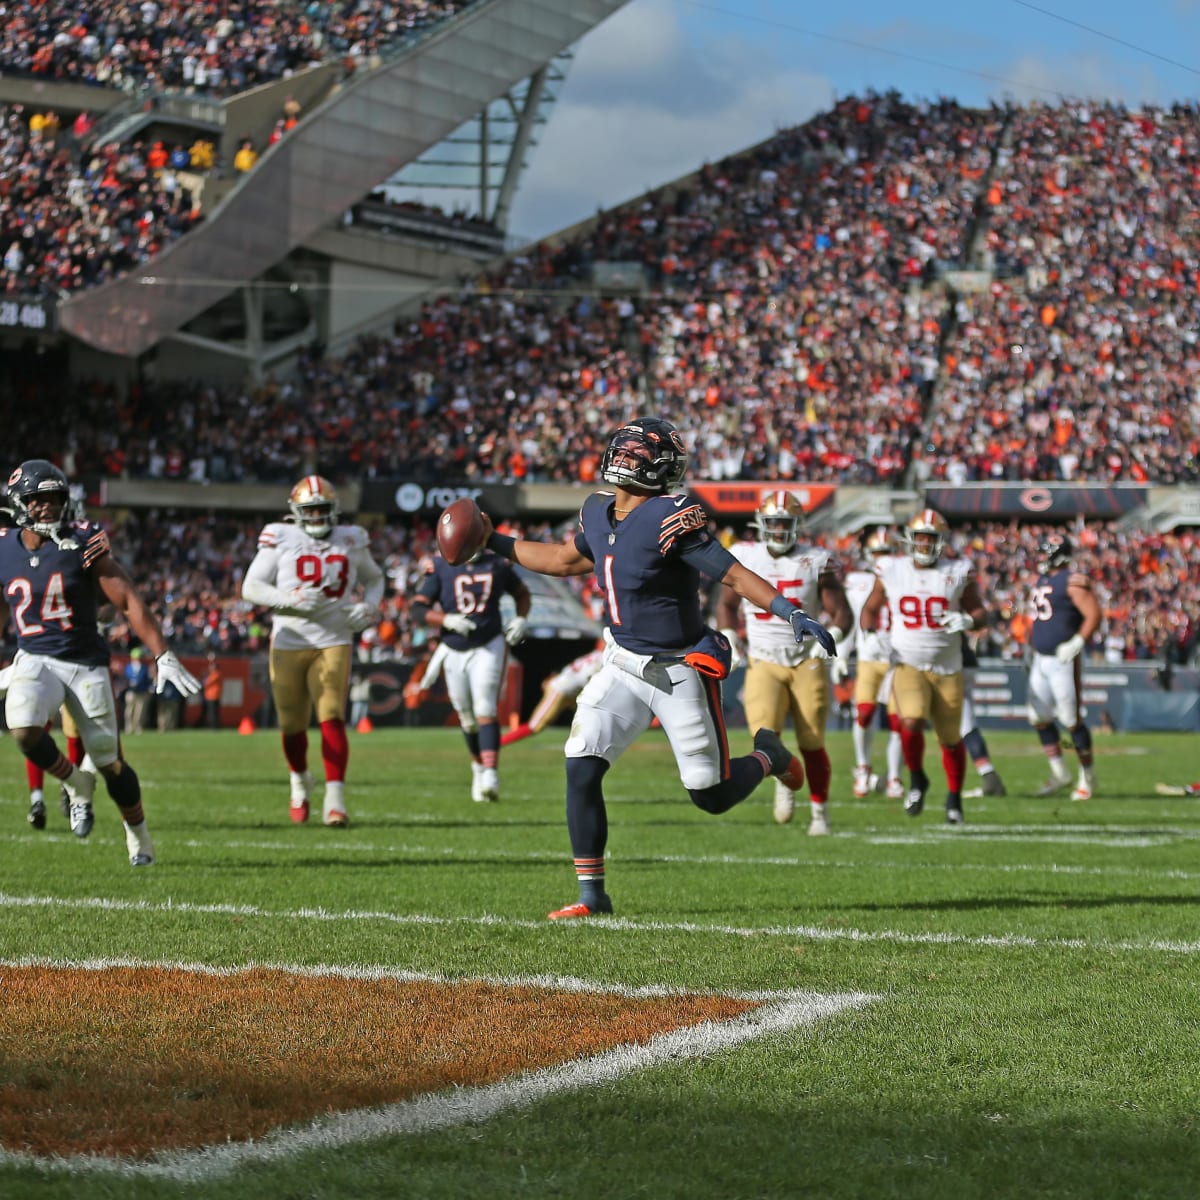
(52, 596)
(473, 589)
(1055, 617)
(651, 593)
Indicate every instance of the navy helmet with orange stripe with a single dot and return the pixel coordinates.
(1054, 551)
(40, 497)
(314, 504)
(647, 455)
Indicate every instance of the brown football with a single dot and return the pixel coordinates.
(460, 531)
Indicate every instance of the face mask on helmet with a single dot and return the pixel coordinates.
(314, 505)
(778, 522)
(925, 537)
(647, 455)
(39, 497)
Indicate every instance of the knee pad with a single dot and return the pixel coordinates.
(1081, 738)
(468, 724)
(700, 775)
(124, 786)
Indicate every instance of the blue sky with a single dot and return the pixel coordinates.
(665, 85)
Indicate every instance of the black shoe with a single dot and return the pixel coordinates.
(993, 785)
(914, 798)
(37, 814)
(954, 812)
(784, 764)
(64, 803)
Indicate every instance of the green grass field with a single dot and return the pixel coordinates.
(1035, 1022)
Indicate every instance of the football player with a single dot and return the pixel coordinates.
(972, 735)
(309, 571)
(36, 777)
(1065, 617)
(932, 603)
(54, 571)
(558, 692)
(475, 643)
(648, 544)
(785, 679)
(873, 675)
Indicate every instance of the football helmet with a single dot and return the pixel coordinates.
(878, 543)
(647, 455)
(1054, 550)
(778, 521)
(39, 482)
(314, 504)
(925, 537)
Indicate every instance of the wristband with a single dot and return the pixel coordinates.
(783, 608)
(503, 545)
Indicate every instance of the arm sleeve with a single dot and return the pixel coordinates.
(372, 577)
(708, 557)
(258, 586)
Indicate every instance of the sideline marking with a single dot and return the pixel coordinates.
(780, 1012)
(607, 924)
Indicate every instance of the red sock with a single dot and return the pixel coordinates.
(893, 722)
(954, 762)
(335, 750)
(818, 770)
(75, 750)
(295, 750)
(515, 735)
(35, 775)
(864, 714)
(912, 742)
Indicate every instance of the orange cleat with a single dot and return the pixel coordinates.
(299, 813)
(580, 909)
(337, 820)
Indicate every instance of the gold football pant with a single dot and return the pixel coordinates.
(304, 679)
(921, 695)
(775, 692)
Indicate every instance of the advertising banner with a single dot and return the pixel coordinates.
(1034, 501)
(405, 497)
(731, 499)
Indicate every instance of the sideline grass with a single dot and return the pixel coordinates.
(1036, 1032)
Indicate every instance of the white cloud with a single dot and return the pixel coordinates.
(644, 104)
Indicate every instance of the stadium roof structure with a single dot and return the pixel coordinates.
(358, 139)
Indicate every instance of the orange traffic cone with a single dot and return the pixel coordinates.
(246, 725)
(364, 726)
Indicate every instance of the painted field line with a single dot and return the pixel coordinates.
(604, 925)
(779, 1012)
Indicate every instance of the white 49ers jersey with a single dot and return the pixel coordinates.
(332, 564)
(793, 575)
(875, 646)
(919, 598)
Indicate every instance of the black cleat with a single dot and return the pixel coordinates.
(914, 798)
(993, 785)
(37, 814)
(784, 764)
(954, 812)
(64, 804)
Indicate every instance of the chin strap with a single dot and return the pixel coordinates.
(60, 539)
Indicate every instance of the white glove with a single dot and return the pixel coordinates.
(816, 651)
(457, 623)
(170, 668)
(361, 616)
(1069, 650)
(839, 670)
(737, 655)
(5, 678)
(957, 622)
(302, 600)
(515, 629)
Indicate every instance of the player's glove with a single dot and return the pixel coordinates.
(361, 616)
(1069, 650)
(839, 670)
(957, 622)
(170, 669)
(803, 626)
(457, 623)
(515, 629)
(737, 651)
(302, 600)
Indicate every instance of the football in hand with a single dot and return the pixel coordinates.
(460, 534)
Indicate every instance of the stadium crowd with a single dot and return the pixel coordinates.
(204, 49)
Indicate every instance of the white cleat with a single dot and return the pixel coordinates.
(139, 845)
(1053, 786)
(819, 825)
(785, 803)
(489, 785)
(1085, 787)
(895, 789)
(862, 781)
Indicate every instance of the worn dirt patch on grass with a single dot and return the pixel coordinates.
(133, 1060)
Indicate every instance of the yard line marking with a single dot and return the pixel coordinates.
(605, 924)
(780, 1012)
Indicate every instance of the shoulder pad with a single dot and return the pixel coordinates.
(1078, 580)
(678, 515)
(273, 535)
